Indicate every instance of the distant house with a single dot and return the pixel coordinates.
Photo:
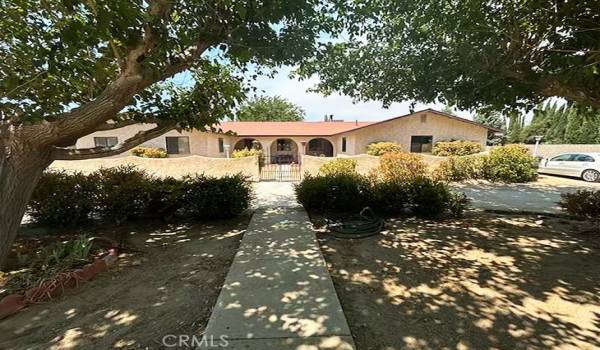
(285, 142)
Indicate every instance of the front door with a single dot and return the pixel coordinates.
(421, 144)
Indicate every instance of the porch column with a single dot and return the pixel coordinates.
(303, 143)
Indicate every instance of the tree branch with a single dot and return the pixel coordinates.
(117, 125)
(99, 152)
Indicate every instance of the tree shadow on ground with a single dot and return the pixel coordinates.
(485, 282)
(169, 288)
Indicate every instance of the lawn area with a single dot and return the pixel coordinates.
(168, 288)
(484, 282)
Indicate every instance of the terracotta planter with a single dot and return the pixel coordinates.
(11, 304)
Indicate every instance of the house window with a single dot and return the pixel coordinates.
(105, 141)
(423, 118)
(178, 145)
(343, 144)
(221, 145)
(421, 144)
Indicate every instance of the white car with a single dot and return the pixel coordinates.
(583, 165)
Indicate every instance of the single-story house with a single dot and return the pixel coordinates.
(285, 142)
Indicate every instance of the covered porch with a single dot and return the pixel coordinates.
(287, 150)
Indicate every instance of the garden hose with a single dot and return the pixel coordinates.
(367, 224)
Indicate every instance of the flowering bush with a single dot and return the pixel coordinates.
(456, 148)
(149, 152)
(338, 166)
(460, 168)
(510, 163)
(399, 167)
(242, 153)
(381, 148)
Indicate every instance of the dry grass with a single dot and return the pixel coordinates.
(485, 282)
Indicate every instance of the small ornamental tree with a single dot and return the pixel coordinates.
(70, 68)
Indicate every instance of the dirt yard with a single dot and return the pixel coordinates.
(486, 282)
(169, 289)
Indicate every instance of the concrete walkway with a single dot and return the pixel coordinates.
(278, 293)
(538, 197)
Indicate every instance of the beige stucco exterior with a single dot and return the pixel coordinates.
(399, 130)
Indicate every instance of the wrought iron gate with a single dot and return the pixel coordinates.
(280, 172)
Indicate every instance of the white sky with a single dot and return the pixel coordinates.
(342, 107)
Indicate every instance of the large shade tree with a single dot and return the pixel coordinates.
(473, 54)
(69, 68)
(270, 108)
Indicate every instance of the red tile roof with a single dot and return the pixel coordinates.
(319, 128)
(290, 128)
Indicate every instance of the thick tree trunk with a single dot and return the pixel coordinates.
(20, 172)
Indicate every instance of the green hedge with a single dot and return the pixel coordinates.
(336, 192)
(63, 199)
(421, 196)
(124, 193)
(511, 163)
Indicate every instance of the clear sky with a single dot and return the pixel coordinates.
(317, 105)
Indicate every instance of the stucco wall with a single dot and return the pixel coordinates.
(201, 143)
(175, 167)
(400, 131)
(397, 130)
(553, 150)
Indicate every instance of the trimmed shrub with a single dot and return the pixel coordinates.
(350, 193)
(123, 192)
(165, 198)
(242, 153)
(339, 192)
(338, 166)
(511, 163)
(456, 148)
(149, 152)
(62, 199)
(460, 168)
(400, 167)
(429, 198)
(582, 203)
(216, 198)
(390, 197)
(381, 148)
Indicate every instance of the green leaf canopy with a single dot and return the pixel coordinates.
(500, 54)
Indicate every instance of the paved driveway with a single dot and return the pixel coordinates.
(540, 196)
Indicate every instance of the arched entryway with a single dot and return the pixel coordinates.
(284, 151)
(320, 147)
(247, 144)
